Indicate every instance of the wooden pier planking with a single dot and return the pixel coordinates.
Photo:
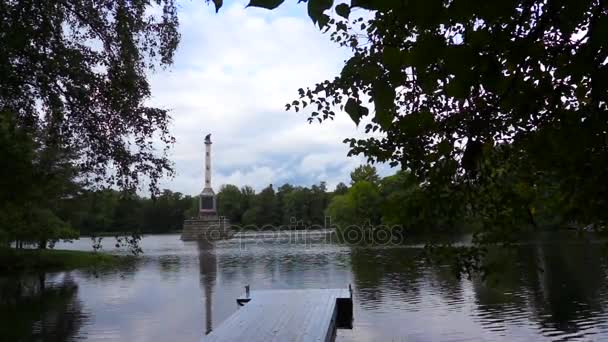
(286, 315)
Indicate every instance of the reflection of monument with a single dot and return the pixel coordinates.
(207, 226)
(208, 275)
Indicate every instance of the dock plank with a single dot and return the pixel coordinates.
(302, 315)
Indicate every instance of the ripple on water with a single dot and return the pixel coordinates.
(179, 290)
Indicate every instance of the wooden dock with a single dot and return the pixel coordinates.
(287, 315)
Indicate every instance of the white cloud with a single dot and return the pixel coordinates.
(233, 73)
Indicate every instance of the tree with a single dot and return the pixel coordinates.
(421, 209)
(297, 206)
(37, 179)
(230, 203)
(341, 189)
(450, 82)
(341, 211)
(318, 203)
(266, 207)
(247, 197)
(366, 173)
(251, 217)
(17, 149)
(76, 71)
(282, 192)
(359, 206)
(127, 213)
(402, 201)
(261, 208)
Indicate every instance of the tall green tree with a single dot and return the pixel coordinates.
(78, 70)
(360, 206)
(230, 203)
(366, 173)
(422, 208)
(39, 176)
(283, 213)
(266, 207)
(297, 206)
(318, 202)
(450, 83)
(247, 201)
(341, 189)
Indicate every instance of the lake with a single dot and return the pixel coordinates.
(549, 289)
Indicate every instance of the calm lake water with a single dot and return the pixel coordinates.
(549, 290)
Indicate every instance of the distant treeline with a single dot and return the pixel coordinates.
(361, 202)
(110, 211)
(283, 206)
(395, 200)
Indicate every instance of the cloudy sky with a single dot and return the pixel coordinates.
(233, 74)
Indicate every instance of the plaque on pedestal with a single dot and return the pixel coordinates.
(207, 203)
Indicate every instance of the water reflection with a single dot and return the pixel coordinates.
(35, 308)
(555, 290)
(386, 272)
(548, 289)
(208, 275)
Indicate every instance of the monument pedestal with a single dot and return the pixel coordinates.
(206, 227)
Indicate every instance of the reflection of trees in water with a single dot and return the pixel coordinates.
(400, 272)
(33, 309)
(571, 285)
(559, 286)
(501, 298)
(169, 266)
(208, 276)
(391, 270)
(125, 271)
(449, 286)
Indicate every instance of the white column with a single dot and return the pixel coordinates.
(207, 164)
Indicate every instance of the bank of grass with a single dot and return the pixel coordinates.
(34, 260)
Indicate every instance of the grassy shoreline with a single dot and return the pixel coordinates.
(35, 260)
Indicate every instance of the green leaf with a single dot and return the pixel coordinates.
(384, 118)
(343, 10)
(355, 110)
(368, 72)
(444, 147)
(373, 5)
(456, 89)
(323, 20)
(268, 4)
(391, 57)
(384, 100)
(317, 7)
(218, 4)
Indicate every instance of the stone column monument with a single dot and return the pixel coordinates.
(208, 225)
(207, 200)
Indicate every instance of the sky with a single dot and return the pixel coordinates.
(232, 75)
